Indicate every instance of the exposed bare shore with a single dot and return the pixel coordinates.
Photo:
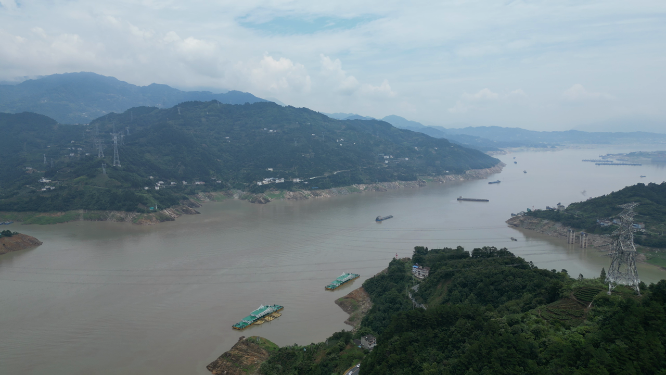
(17, 242)
(188, 207)
(557, 230)
(244, 358)
(356, 304)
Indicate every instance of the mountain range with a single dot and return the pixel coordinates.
(219, 146)
(78, 98)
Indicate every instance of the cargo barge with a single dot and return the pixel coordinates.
(259, 316)
(382, 218)
(343, 279)
(494, 182)
(472, 199)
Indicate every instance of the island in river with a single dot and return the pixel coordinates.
(16, 242)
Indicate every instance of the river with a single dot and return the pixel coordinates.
(116, 298)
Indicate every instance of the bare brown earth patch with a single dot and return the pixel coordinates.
(17, 242)
(244, 358)
(356, 304)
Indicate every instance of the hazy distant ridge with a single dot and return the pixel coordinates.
(81, 97)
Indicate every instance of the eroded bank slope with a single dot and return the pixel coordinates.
(17, 242)
(244, 358)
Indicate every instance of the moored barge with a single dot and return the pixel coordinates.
(472, 199)
(259, 316)
(342, 279)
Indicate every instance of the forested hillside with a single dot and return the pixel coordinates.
(219, 146)
(73, 98)
(592, 215)
(490, 312)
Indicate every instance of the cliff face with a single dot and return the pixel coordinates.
(17, 242)
(244, 358)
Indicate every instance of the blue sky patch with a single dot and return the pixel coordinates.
(292, 25)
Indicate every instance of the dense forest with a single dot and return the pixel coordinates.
(490, 312)
(203, 146)
(651, 211)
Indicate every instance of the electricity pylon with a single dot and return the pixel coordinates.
(622, 270)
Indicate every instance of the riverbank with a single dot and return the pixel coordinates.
(188, 207)
(356, 304)
(17, 242)
(244, 358)
(557, 230)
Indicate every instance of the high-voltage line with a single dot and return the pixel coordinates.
(622, 270)
(116, 159)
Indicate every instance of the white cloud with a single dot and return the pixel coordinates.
(481, 99)
(578, 93)
(433, 50)
(483, 94)
(280, 75)
(383, 90)
(343, 83)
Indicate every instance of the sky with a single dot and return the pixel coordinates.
(540, 65)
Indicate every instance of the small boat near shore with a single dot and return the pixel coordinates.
(6, 222)
(379, 219)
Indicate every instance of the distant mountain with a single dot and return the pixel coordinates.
(626, 124)
(476, 143)
(536, 138)
(238, 145)
(348, 116)
(73, 98)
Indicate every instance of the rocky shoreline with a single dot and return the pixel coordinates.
(557, 230)
(356, 304)
(188, 207)
(17, 242)
(244, 358)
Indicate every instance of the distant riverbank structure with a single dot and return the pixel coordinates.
(622, 270)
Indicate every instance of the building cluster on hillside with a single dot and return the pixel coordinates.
(420, 271)
(367, 342)
(271, 180)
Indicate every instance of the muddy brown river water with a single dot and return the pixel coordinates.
(109, 298)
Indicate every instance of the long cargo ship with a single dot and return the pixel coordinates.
(472, 199)
(344, 278)
(494, 182)
(259, 316)
(382, 218)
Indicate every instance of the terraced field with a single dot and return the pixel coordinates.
(586, 294)
(567, 311)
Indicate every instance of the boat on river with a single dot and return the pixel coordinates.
(259, 316)
(472, 199)
(494, 182)
(6, 222)
(382, 218)
(342, 279)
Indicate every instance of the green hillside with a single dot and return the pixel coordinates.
(651, 212)
(490, 312)
(207, 142)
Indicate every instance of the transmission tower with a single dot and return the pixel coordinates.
(622, 270)
(122, 139)
(103, 168)
(116, 160)
(44, 159)
(100, 148)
